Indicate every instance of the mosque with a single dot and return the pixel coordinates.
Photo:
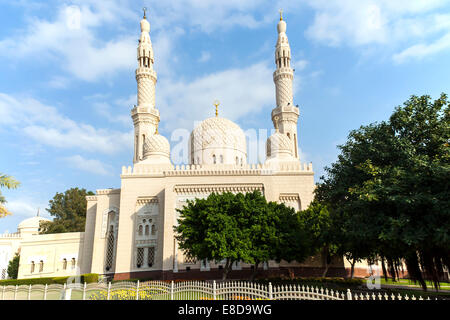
(129, 231)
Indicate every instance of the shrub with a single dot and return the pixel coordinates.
(89, 277)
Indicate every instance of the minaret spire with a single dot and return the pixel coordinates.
(285, 115)
(145, 115)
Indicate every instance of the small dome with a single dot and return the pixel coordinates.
(156, 145)
(145, 25)
(31, 224)
(278, 144)
(281, 26)
(218, 140)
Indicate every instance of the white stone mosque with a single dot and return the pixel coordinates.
(129, 231)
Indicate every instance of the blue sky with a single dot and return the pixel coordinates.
(66, 90)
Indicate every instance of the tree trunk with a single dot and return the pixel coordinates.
(327, 265)
(352, 273)
(227, 269)
(383, 266)
(255, 271)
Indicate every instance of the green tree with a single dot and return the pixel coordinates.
(319, 225)
(10, 183)
(13, 267)
(274, 231)
(390, 187)
(211, 229)
(240, 227)
(69, 210)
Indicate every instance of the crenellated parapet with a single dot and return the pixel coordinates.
(293, 167)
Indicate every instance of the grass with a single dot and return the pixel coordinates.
(410, 283)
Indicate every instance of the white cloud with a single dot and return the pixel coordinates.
(76, 48)
(240, 91)
(422, 50)
(204, 57)
(89, 165)
(45, 125)
(390, 26)
(26, 208)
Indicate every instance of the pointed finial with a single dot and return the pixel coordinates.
(217, 103)
(145, 9)
(281, 14)
(37, 214)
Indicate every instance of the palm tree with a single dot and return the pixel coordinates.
(10, 183)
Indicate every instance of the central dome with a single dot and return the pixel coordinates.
(218, 141)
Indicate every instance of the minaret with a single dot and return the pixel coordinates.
(145, 116)
(285, 115)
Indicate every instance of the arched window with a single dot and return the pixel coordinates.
(41, 266)
(137, 148)
(64, 264)
(198, 160)
(289, 135)
(151, 256)
(110, 249)
(221, 158)
(140, 230)
(295, 141)
(242, 162)
(153, 230)
(214, 158)
(32, 266)
(147, 230)
(237, 160)
(73, 263)
(140, 257)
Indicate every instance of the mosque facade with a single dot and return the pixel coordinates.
(129, 231)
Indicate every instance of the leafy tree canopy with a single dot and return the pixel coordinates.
(389, 188)
(69, 210)
(10, 183)
(13, 267)
(238, 228)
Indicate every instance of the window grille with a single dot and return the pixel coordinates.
(3, 273)
(64, 264)
(190, 260)
(32, 266)
(151, 256)
(41, 266)
(73, 263)
(153, 230)
(140, 257)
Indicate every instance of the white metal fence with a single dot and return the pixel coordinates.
(185, 290)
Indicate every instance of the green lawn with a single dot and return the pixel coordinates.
(408, 282)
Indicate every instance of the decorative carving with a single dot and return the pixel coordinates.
(219, 188)
(218, 132)
(156, 143)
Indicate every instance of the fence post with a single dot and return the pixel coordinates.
(270, 291)
(84, 291)
(137, 290)
(214, 289)
(15, 292)
(109, 291)
(349, 295)
(171, 290)
(67, 292)
(29, 292)
(45, 292)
